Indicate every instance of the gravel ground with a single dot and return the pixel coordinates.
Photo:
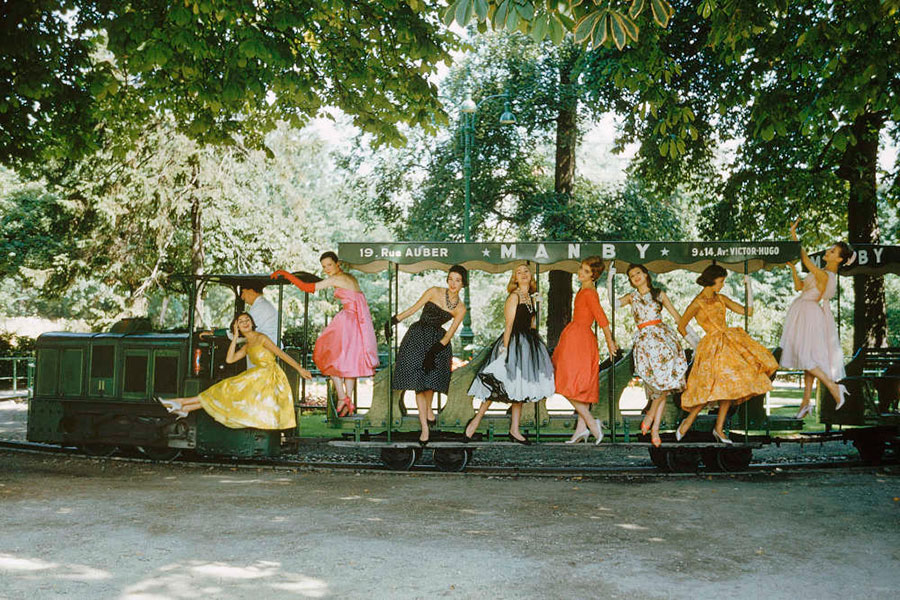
(80, 528)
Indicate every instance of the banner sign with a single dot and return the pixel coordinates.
(499, 256)
(871, 259)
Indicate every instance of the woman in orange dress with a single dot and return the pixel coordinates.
(576, 360)
(730, 367)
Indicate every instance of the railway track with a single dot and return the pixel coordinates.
(625, 472)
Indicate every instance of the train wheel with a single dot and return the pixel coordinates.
(102, 450)
(682, 460)
(658, 458)
(399, 459)
(451, 459)
(160, 454)
(870, 451)
(734, 459)
(710, 457)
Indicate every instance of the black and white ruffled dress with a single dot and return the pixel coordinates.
(524, 373)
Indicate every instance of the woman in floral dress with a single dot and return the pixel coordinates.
(658, 357)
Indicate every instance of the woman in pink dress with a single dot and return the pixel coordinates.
(810, 340)
(346, 348)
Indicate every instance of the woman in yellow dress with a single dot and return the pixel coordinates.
(260, 397)
(730, 367)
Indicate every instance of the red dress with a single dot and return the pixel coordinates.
(576, 359)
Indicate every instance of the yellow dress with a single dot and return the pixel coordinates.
(728, 363)
(260, 397)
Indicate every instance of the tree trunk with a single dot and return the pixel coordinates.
(196, 228)
(559, 293)
(858, 168)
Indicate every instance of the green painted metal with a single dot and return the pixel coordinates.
(495, 257)
(214, 438)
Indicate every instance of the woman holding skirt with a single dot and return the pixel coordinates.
(346, 349)
(576, 360)
(809, 341)
(425, 354)
(519, 368)
(730, 367)
(658, 357)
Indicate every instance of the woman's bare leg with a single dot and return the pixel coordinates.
(476, 420)
(421, 400)
(584, 417)
(514, 417)
(689, 420)
(724, 405)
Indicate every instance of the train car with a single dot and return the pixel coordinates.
(96, 390)
(387, 428)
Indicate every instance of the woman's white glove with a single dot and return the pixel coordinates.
(691, 336)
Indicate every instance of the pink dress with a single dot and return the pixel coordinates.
(810, 336)
(347, 347)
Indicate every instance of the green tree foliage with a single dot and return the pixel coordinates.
(72, 69)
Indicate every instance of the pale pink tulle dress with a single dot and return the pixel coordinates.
(347, 347)
(810, 336)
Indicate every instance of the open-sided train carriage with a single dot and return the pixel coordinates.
(394, 428)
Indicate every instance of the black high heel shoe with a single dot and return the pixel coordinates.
(431, 422)
(525, 441)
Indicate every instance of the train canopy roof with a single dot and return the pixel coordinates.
(871, 259)
(496, 257)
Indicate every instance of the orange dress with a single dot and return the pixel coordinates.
(728, 363)
(576, 360)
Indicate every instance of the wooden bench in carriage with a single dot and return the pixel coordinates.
(388, 428)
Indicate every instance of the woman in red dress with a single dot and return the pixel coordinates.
(576, 359)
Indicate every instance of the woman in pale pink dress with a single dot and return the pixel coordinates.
(810, 340)
(346, 348)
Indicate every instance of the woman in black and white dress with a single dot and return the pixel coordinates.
(424, 356)
(519, 369)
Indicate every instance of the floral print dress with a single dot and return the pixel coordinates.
(658, 357)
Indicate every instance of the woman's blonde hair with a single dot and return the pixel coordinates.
(513, 285)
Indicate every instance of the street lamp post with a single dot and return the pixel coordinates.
(469, 110)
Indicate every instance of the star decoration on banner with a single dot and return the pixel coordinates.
(664, 251)
(486, 252)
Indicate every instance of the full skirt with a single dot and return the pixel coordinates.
(728, 365)
(524, 374)
(259, 397)
(659, 360)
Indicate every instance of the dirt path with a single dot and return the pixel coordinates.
(80, 528)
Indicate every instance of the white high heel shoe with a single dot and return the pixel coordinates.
(581, 437)
(720, 439)
(843, 393)
(678, 434)
(600, 429)
(804, 411)
(172, 407)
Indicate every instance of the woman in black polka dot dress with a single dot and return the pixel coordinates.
(423, 359)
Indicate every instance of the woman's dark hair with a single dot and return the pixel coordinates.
(330, 255)
(654, 291)
(710, 274)
(461, 270)
(846, 251)
(238, 316)
(597, 266)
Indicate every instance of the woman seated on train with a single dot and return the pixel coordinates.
(260, 397)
